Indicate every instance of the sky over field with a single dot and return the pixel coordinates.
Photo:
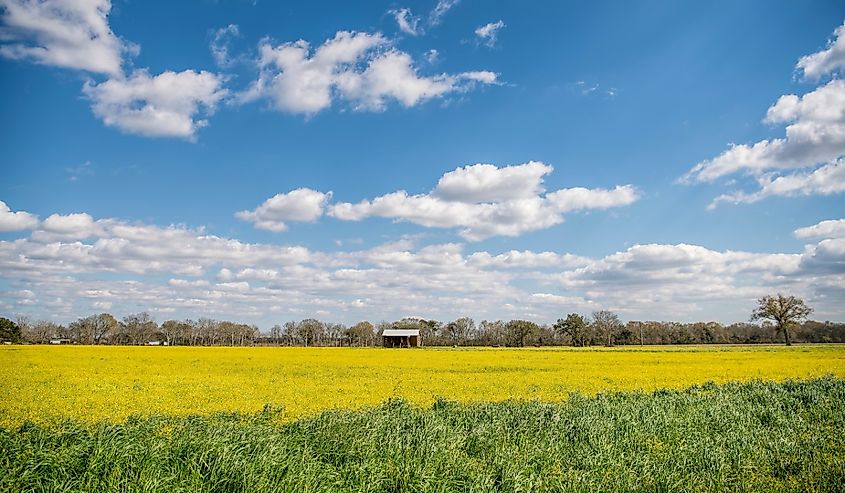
(265, 161)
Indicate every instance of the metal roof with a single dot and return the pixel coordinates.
(401, 332)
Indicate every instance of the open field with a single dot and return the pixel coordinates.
(95, 383)
(754, 436)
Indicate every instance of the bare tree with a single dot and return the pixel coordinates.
(492, 332)
(276, 333)
(310, 331)
(459, 331)
(176, 332)
(93, 329)
(139, 327)
(785, 311)
(606, 324)
(40, 331)
(361, 334)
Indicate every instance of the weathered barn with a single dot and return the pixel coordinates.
(401, 338)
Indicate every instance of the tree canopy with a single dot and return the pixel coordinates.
(785, 311)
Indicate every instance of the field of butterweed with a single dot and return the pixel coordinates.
(751, 436)
(43, 384)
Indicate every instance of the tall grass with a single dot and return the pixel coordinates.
(755, 436)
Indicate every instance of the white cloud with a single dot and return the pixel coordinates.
(489, 183)
(438, 281)
(813, 147)
(580, 198)
(76, 34)
(392, 76)
(408, 23)
(165, 105)
(15, 221)
(815, 134)
(413, 25)
(826, 61)
(184, 283)
(826, 180)
(302, 204)
(70, 226)
(489, 33)
(360, 68)
(62, 33)
(440, 10)
(299, 83)
(219, 45)
(526, 259)
(484, 201)
(832, 228)
(227, 278)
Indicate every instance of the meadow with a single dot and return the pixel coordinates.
(111, 383)
(752, 436)
(715, 418)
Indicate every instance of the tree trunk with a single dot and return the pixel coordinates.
(786, 335)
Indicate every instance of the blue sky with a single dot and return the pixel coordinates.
(263, 162)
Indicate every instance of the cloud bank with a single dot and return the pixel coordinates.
(72, 264)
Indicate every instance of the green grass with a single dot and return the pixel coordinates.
(756, 436)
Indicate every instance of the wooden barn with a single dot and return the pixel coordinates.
(401, 338)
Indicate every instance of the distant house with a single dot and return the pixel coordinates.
(60, 341)
(401, 338)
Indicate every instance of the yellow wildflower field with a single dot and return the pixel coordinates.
(43, 383)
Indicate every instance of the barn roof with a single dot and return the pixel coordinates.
(401, 332)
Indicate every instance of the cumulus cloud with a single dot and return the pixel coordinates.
(489, 33)
(77, 243)
(15, 221)
(76, 34)
(815, 134)
(808, 159)
(683, 278)
(302, 204)
(483, 200)
(392, 76)
(489, 183)
(825, 180)
(63, 33)
(165, 105)
(75, 226)
(526, 259)
(360, 68)
(829, 60)
(832, 228)
(187, 273)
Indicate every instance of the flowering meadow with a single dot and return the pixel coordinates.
(111, 383)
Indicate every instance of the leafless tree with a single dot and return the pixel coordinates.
(606, 324)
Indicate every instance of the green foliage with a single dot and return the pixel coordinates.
(754, 436)
(785, 311)
(519, 330)
(573, 326)
(9, 331)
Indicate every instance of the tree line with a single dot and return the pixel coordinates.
(601, 328)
